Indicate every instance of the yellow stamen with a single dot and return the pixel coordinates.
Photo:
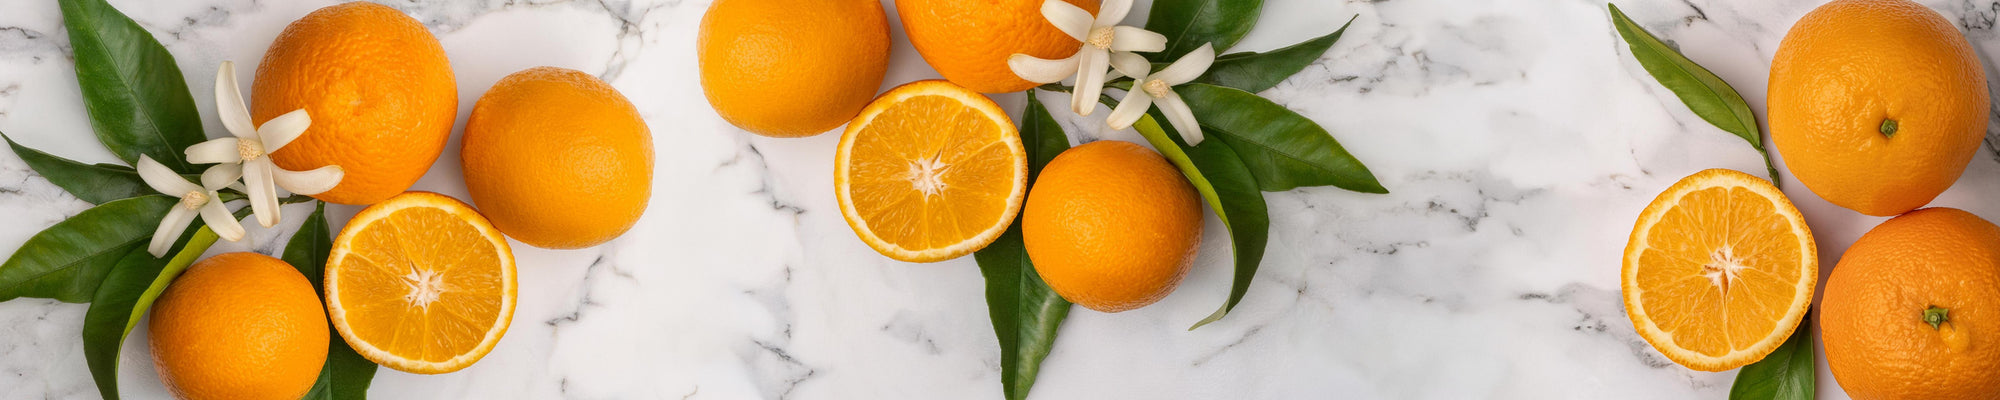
(1156, 88)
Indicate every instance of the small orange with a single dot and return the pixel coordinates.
(791, 68)
(1112, 226)
(239, 326)
(378, 89)
(1719, 270)
(420, 283)
(1913, 309)
(1877, 105)
(930, 172)
(969, 41)
(558, 159)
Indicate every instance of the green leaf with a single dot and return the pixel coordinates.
(66, 261)
(95, 183)
(1025, 311)
(1256, 72)
(124, 296)
(1281, 148)
(1703, 92)
(1786, 374)
(1225, 183)
(137, 100)
(1190, 23)
(346, 374)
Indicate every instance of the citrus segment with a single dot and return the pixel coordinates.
(421, 283)
(1719, 270)
(930, 171)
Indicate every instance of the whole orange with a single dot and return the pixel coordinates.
(1876, 105)
(1111, 226)
(557, 158)
(378, 89)
(1913, 309)
(792, 68)
(969, 41)
(239, 326)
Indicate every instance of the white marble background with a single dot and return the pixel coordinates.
(1518, 137)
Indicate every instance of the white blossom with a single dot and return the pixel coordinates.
(1102, 39)
(248, 151)
(195, 200)
(1157, 89)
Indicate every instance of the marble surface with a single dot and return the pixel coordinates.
(1518, 139)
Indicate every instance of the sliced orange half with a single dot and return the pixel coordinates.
(420, 283)
(929, 172)
(1719, 270)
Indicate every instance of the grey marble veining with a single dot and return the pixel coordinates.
(1518, 139)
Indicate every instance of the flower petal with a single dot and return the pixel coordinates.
(1181, 117)
(1130, 64)
(170, 229)
(219, 220)
(1129, 110)
(1126, 38)
(1089, 80)
(263, 195)
(316, 181)
(1072, 20)
(1111, 12)
(162, 179)
(229, 103)
(221, 176)
(1188, 67)
(1039, 70)
(280, 131)
(215, 151)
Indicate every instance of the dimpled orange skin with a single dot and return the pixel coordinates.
(378, 89)
(968, 41)
(1871, 315)
(558, 159)
(1111, 226)
(792, 68)
(239, 326)
(1846, 67)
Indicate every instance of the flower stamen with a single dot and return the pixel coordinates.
(1156, 88)
(1101, 37)
(194, 199)
(250, 149)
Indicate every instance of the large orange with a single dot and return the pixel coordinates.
(420, 283)
(1913, 309)
(558, 159)
(378, 88)
(930, 172)
(969, 41)
(1876, 105)
(791, 68)
(1719, 270)
(239, 326)
(1112, 226)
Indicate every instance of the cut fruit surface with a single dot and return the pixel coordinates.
(1719, 270)
(420, 283)
(929, 172)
